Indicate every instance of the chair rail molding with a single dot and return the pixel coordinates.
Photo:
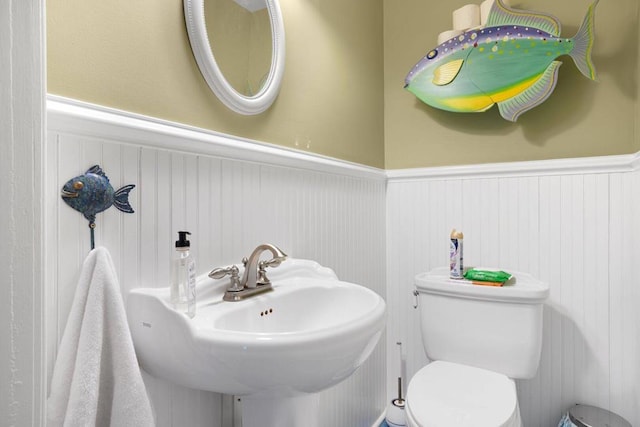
(65, 114)
(69, 115)
(570, 166)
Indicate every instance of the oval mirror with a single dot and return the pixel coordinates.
(240, 84)
(240, 39)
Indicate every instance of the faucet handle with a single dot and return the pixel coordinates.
(262, 270)
(273, 262)
(262, 278)
(219, 273)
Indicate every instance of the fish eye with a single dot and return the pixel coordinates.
(432, 54)
(78, 185)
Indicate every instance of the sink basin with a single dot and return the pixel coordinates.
(307, 334)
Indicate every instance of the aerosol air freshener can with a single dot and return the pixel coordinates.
(456, 264)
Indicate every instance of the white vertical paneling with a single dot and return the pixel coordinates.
(576, 231)
(393, 288)
(622, 208)
(438, 243)
(571, 276)
(209, 242)
(130, 173)
(624, 297)
(164, 214)
(524, 240)
(472, 220)
(549, 371)
(509, 230)
(595, 304)
(178, 196)
(191, 196)
(230, 207)
(491, 205)
(437, 253)
(482, 222)
(528, 236)
(147, 208)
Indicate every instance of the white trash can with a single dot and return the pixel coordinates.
(591, 416)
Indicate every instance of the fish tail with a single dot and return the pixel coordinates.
(583, 44)
(121, 199)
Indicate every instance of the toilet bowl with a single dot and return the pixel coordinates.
(445, 394)
(479, 339)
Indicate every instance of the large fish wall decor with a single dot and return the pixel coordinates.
(510, 61)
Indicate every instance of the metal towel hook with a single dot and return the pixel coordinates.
(92, 193)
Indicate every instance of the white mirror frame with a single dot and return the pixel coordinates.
(248, 105)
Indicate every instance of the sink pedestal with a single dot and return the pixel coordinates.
(280, 411)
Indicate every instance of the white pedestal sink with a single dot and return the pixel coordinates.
(275, 349)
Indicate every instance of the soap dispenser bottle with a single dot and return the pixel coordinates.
(183, 277)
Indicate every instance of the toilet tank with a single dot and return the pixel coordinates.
(495, 328)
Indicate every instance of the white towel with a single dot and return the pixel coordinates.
(96, 378)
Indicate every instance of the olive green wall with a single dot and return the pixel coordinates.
(581, 118)
(135, 56)
(335, 98)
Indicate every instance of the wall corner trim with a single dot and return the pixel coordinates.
(82, 118)
(585, 165)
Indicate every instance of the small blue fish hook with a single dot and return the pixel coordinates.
(92, 193)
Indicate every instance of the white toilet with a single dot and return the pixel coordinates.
(479, 338)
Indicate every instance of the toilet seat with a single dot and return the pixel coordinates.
(445, 394)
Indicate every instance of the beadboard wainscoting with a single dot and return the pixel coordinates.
(232, 195)
(573, 223)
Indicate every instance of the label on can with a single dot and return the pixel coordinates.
(456, 258)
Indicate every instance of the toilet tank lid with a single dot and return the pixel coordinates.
(521, 288)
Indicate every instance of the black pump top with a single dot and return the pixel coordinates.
(182, 241)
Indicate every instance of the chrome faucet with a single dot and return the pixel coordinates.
(254, 279)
